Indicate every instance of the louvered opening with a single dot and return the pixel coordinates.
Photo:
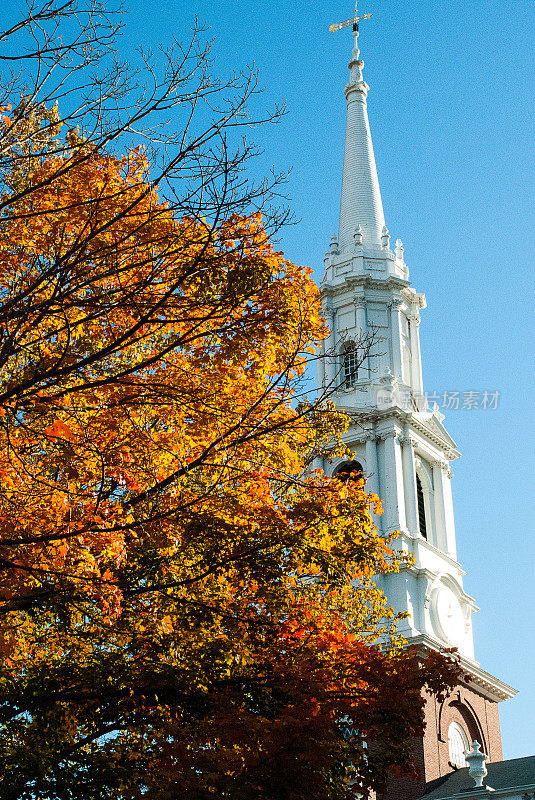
(421, 507)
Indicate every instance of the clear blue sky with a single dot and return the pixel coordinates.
(450, 108)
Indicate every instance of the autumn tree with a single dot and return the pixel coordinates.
(187, 607)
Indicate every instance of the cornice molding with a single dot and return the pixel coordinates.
(403, 418)
(352, 282)
(422, 571)
(475, 678)
(384, 435)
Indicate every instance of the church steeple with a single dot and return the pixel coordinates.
(361, 196)
(400, 446)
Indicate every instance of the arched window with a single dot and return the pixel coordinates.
(349, 471)
(458, 745)
(350, 365)
(422, 522)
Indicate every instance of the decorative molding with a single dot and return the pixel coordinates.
(351, 283)
(474, 678)
(334, 245)
(418, 420)
(356, 439)
(388, 435)
(361, 86)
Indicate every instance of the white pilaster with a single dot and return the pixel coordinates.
(439, 468)
(448, 513)
(320, 367)
(409, 484)
(394, 496)
(372, 470)
(330, 352)
(318, 463)
(416, 363)
(360, 315)
(395, 334)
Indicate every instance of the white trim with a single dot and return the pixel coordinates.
(475, 678)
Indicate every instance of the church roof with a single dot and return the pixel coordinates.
(512, 774)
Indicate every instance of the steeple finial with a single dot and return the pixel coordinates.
(354, 21)
(361, 197)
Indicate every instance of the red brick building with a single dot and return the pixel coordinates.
(469, 714)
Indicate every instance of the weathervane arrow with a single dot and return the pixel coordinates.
(354, 21)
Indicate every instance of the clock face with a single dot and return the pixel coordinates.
(448, 615)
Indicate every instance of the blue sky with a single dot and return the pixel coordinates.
(450, 110)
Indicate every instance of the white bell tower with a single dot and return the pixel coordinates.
(403, 448)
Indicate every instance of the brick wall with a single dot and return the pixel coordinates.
(479, 719)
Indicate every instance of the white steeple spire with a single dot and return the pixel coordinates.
(400, 446)
(403, 449)
(361, 197)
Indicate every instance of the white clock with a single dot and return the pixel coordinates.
(448, 618)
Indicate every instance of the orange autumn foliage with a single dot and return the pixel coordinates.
(187, 608)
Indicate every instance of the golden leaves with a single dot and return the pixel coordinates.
(159, 525)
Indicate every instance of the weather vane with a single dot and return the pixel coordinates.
(354, 21)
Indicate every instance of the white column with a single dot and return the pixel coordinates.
(439, 468)
(395, 328)
(330, 353)
(394, 501)
(416, 361)
(360, 314)
(372, 471)
(409, 484)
